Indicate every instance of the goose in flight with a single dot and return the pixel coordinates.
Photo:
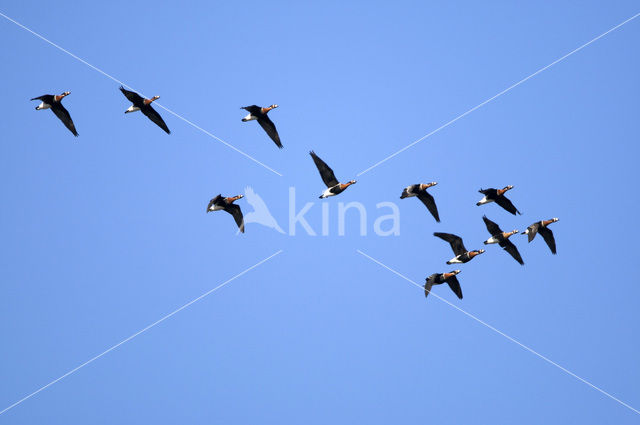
(334, 187)
(54, 102)
(260, 114)
(139, 103)
(497, 196)
(545, 232)
(219, 203)
(420, 190)
(462, 255)
(502, 239)
(440, 278)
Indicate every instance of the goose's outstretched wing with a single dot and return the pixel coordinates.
(512, 250)
(505, 203)
(64, 116)
(268, 126)
(455, 241)
(236, 212)
(326, 172)
(154, 116)
(133, 97)
(533, 231)
(428, 284)
(455, 286)
(430, 203)
(547, 234)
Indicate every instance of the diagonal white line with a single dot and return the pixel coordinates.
(197, 127)
(499, 94)
(91, 360)
(546, 359)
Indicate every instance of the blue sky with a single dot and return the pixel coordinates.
(107, 233)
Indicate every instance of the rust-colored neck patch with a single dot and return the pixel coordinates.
(148, 101)
(545, 223)
(447, 275)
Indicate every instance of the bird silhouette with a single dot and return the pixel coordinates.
(260, 213)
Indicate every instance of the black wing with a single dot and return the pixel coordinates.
(133, 97)
(456, 242)
(325, 171)
(46, 98)
(511, 249)
(236, 212)
(492, 227)
(268, 126)
(428, 284)
(533, 231)
(63, 115)
(455, 286)
(507, 205)
(430, 203)
(154, 116)
(253, 109)
(488, 192)
(547, 234)
(213, 201)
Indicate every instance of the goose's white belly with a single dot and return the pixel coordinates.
(328, 193)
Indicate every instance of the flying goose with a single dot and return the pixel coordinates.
(440, 278)
(502, 239)
(219, 203)
(497, 196)
(54, 102)
(545, 232)
(420, 190)
(334, 187)
(260, 114)
(462, 255)
(139, 103)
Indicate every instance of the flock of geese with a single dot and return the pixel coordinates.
(334, 187)
(498, 236)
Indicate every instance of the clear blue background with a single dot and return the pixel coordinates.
(106, 233)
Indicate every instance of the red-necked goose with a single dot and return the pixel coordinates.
(547, 234)
(54, 102)
(502, 239)
(420, 190)
(220, 203)
(497, 196)
(440, 278)
(462, 255)
(139, 103)
(334, 187)
(260, 114)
